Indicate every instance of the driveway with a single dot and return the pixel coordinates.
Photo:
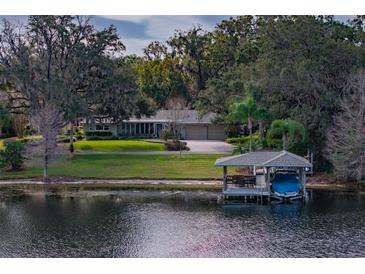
(209, 147)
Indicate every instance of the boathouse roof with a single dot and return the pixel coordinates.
(265, 159)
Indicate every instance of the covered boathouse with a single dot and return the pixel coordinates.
(272, 174)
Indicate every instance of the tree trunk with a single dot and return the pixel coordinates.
(250, 132)
(45, 168)
(284, 141)
(72, 139)
(261, 130)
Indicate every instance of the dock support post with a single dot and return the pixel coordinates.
(303, 179)
(267, 181)
(224, 178)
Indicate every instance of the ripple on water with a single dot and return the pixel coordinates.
(184, 224)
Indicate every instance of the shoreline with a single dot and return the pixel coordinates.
(152, 184)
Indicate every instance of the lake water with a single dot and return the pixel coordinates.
(179, 224)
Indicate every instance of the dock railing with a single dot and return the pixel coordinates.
(241, 181)
(243, 185)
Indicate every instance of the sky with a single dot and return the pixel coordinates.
(137, 31)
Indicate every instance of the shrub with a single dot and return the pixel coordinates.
(244, 148)
(79, 134)
(13, 155)
(100, 135)
(175, 146)
(242, 139)
(166, 134)
(29, 130)
(96, 138)
(10, 140)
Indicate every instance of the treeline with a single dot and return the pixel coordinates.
(296, 67)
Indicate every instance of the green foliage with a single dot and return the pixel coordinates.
(292, 134)
(243, 110)
(69, 62)
(248, 110)
(100, 135)
(79, 134)
(160, 80)
(245, 147)
(242, 139)
(297, 64)
(13, 155)
(166, 134)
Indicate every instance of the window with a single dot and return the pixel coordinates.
(123, 129)
(137, 128)
(102, 127)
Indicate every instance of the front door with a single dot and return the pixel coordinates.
(159, 130)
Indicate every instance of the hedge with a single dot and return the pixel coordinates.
(242, 139)
(99, 133)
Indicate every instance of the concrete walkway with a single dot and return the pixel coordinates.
(196, 147)
(207, 146)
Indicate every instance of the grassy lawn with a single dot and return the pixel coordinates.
(118, 146)
(197, 166)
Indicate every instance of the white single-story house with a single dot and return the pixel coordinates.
(191, 126)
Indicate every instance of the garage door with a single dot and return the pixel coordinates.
(216, 133)
(196, 132)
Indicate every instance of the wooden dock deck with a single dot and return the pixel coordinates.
(240, 191)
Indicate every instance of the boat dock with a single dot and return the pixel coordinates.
(262, 166)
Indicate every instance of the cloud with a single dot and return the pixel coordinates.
(135, 45)
(164, 26)
(128, 18)
(157, 28)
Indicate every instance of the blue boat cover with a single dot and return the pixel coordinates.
(285, 183)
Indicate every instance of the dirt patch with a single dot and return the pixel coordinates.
(325, 181)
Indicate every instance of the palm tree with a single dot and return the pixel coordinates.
(244, 111)
(263, 117)
(287, 129)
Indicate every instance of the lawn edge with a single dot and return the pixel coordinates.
(140, 184)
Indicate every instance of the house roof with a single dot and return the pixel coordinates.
(182, 116)
(265, 159)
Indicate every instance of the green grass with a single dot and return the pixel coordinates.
(118, 146)
(196, 166)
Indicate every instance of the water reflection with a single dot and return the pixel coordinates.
(178, 224)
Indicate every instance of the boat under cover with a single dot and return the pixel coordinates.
(286, 185)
